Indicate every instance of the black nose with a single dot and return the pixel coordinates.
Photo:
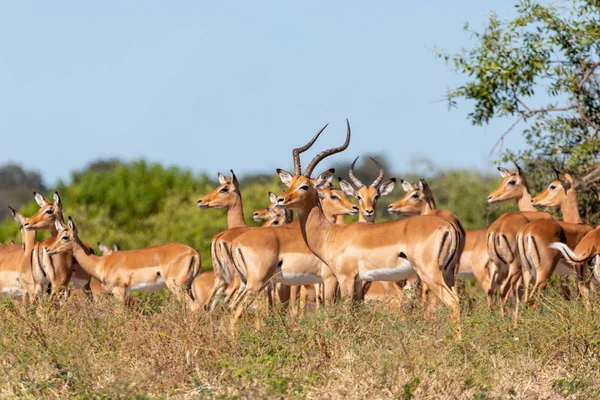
(489, 197)
(199, 201)
(390, 207)
(255, 213)
(355, 208)
(369, 211)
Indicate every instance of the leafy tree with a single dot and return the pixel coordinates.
(16, 186)
(541, 69)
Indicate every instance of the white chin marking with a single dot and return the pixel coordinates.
(257, 219)
(298, 279)
(403, 270)
(148, 287)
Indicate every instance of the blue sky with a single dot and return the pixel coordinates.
(214, 86)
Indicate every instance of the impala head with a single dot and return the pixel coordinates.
(108, 250)
(367, 195)
(334, 202)
(48, 213)
(264, 214)
(19, 218)
(302, 191)
(66, 238)
(512, 187)
(225, 195)
(556, 192)
(415, 201)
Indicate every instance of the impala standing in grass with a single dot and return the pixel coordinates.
(391, 251)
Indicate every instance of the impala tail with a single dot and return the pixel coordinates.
(499, 249)
(223, 253)
(569, 254)
(529, 254)
(449, 254)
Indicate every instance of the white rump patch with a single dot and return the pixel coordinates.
(403, 270)
(297, 279)
(148, 287)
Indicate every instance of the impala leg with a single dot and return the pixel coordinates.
(293, 299)
(218, 288)
(347, 285)
(330, 287)
(566, 289)
(302, 299)
(438, 286)
(583, 283)
(284, 293)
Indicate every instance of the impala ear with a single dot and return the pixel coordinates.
(272, 198)
(116, 247)
(519, 170)
(387, 187)
(285, 177)
(347, 188)
(59, 226)
(272, 213)
(504, 172)
(222, 179)
(40, 200)
(72, 226)
(102, 247)
(57, 201)
(234, 180)
(324, 180)
(17, 216)
(406, 186)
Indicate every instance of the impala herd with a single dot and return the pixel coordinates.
(318, 251)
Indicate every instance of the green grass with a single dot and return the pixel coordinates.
(100, 350)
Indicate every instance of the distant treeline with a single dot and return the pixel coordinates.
(139, 204)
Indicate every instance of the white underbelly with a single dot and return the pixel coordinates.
(11, 290)
(148, 287)
(297, 279)
(403, 270)
(563, 269)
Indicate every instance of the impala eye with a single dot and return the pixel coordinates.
(48, 211)
(359, 197)
(64, 238)
(512, 182)
(376, 197)
(334, 197)
(304, 187)
(223, 190)
(553, 187)
(414, 196)
(275, 223)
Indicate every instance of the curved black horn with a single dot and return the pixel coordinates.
(296, 152)
(379, 178)
(353, 178)
(327, 153)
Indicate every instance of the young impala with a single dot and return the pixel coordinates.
(171, 265)
(391, 251)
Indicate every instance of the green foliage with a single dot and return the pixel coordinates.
(141, 204)
(543, 69)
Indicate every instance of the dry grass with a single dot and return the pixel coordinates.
(100, 350)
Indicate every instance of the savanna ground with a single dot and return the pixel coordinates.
(101, 350)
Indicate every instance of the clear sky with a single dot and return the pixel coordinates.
(214, 86)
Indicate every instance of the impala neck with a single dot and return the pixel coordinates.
(314, 225)
(569, 208)
(89, 263)
(235, 215)
(338, 219)
(28, 239)
(428, 207)
(524, 203)
(361, 218)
